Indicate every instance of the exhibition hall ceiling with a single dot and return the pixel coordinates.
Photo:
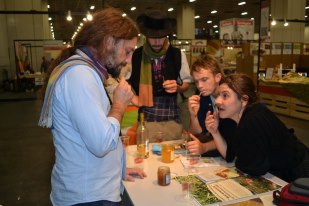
(226, 9)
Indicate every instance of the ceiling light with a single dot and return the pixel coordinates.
(124, 14)
(133, 8)
(244, 13)
(81, 24)
(191, 0)
(48, 6)
(242, 3)
(89, 16)
(215, 26)
(307, 7)
(285, 23)
(209, 22)
(92, 7)
(214, 11)
(69, 17)
(170, 9)
(49, 18)
(252, 18)
(306, 16)
(51, 24)
(217, 31)
(197, 17)
(273, 22)
(84, 19)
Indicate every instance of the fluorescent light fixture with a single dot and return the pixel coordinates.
(273, 22)
(89, 16)
(133, 8)
(197, 17)
(242, 3)
(244, 13)
(209, 22)
(69, 17)
(170, 9)
(214, 11)
(92, 7)
(285, 23)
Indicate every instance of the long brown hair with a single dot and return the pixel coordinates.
(108, 22)
(242, 85)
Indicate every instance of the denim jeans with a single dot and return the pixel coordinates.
(99, 203)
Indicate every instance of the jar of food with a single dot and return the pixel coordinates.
(168, 153)
(164, 175)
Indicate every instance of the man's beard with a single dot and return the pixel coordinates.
(113, 67)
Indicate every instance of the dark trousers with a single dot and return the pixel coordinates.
(99, 203)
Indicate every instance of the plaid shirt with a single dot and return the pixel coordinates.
(165, 108)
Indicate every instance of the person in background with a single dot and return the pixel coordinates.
(159, 73)
(90, 160)
(206, 73)
(44, 65)
(261, 142)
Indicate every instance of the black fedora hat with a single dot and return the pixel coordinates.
(155, 23)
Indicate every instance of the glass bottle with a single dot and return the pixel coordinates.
(142, 140)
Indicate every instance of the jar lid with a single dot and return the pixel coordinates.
(164, 168)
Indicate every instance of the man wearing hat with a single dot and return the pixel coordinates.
(159, 73)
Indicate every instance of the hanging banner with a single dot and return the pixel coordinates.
(264, 20)
(235, 31)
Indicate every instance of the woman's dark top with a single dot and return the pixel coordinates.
(262, 143)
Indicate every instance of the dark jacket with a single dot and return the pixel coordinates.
(262, 143)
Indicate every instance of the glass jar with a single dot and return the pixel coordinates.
(168, 153)
(164, 176)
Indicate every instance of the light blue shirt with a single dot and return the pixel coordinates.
(89, 156)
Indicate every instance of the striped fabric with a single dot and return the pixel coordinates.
(80, 59)
(145, 86)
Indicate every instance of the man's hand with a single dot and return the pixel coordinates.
(123, 93)
(194, 105)
(195, 146)
(135, 172)
(170, 86)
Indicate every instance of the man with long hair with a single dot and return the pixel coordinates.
(90, 160)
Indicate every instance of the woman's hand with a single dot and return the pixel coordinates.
(212, 122)
(135, 171)
(194, 105)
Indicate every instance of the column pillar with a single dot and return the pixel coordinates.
(288, 9)
(185, 22)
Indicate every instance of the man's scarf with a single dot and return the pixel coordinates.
(83, 56)
(145, 85)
